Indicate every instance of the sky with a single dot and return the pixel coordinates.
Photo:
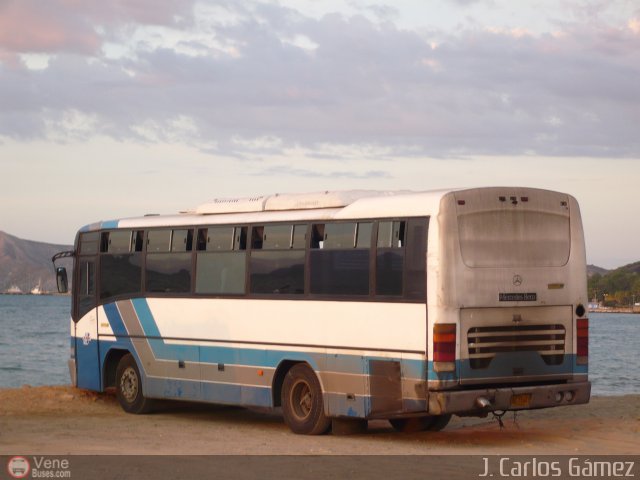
(127, 107)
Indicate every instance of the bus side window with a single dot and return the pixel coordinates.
(117, 241)
(416, 259)
(317, 236)
(137, 242)
(277, 237)
(338, 262)
(201, 242)
(168, 266)
(390, 258)
(86, 287)
(257, 237)
(218, 238)
(391, 234)
(121, 263)
(158, 241)
(363, 235)
(220, 273)
(277, 268)
(89, 243)
(181, 240)
(339, 235)
(299, 236)
(240, 238)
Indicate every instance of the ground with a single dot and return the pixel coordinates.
(62, 420)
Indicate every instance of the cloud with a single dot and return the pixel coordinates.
(73, 26)
(221, 71)
(30, 26)
(286, 170)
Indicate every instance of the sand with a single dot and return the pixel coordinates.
(62, 420)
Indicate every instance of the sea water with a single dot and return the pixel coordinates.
(34, 340)
(34, 345)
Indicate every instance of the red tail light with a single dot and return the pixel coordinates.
(583, 341)
(444, 347)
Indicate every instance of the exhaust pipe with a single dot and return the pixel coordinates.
(483, 403)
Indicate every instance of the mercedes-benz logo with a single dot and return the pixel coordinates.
(517, 280)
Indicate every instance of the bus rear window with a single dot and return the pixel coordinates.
(514, 238)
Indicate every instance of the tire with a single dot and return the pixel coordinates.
(302, 405)
(439, 422)
(433, 423)
(129, 387)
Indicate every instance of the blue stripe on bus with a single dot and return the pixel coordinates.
(503, 364)
(443, 376)
(145, 316)
(115, 320)
(110, 224)
(515, 364)
(579, 369)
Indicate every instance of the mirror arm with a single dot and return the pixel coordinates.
(61, 272)
(58, 256)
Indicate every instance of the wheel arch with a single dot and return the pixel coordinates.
(111, 360)
(281, 371)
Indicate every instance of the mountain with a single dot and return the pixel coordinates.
(592, 270)
(631, 268)
(25, 264)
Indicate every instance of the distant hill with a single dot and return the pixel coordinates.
(593, 269)
(25, 264)
(631, 268)
(619, 287)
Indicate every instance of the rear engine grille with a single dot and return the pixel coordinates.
(485, 342)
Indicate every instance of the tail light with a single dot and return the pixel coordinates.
(583, 341)
(444, 347)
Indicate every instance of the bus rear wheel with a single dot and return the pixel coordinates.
(302, 405)
(433, 423)
(129, 387)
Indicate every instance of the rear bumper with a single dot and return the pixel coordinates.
(496, 399)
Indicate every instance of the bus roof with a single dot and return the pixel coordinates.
(293, 207)
(301, 207)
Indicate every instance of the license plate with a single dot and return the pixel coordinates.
(522, 400)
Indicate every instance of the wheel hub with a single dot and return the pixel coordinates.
(129, 384)
(301, 399)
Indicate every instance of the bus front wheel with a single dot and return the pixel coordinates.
(302, 405)
(129, 387)
(433, 423)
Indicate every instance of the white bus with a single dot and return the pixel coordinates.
(339, 306)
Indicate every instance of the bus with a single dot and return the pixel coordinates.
(339, 307)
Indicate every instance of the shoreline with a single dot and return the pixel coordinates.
(634, 311)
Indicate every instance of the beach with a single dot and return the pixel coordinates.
(62, 420)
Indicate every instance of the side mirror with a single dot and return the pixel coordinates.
(61, 280)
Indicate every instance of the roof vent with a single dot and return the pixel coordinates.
(232, 205)
(288, 201)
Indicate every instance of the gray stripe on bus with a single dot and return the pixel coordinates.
(141, 345)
